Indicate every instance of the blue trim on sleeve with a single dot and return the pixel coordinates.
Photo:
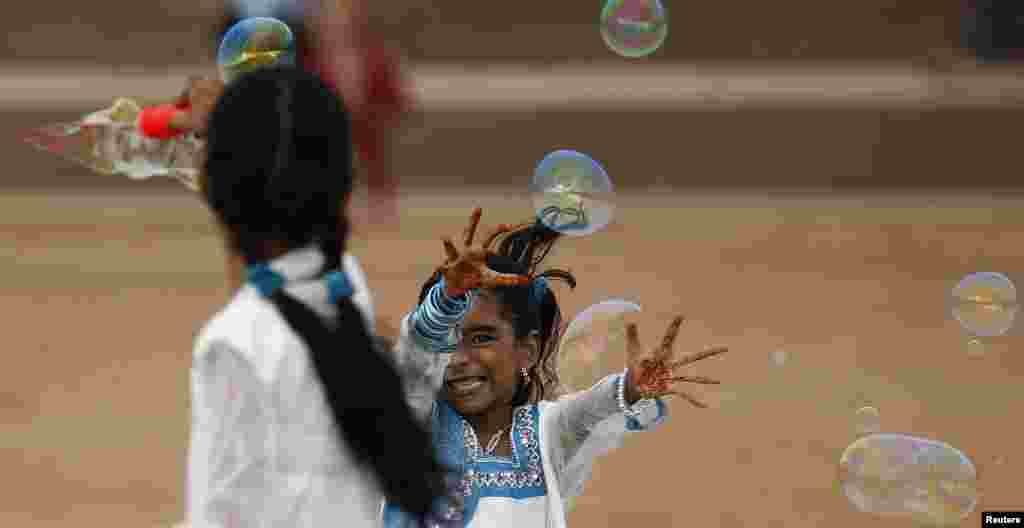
(437, 319)
(633, 424)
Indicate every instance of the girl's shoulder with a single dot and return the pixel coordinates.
(244, 324)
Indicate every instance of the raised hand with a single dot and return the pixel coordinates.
(467, 269)
(199, 98)
(656, 374)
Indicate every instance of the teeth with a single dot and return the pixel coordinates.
(467, 384)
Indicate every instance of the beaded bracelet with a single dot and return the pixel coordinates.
(620, 393)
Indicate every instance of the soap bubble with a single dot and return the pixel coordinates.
(985, 303)
(975, 348)
(904, 476)
(634, 28)
(869, 421)
(253, 43)
(572, 193)
(594, 343)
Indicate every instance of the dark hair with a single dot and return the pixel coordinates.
(520, 252)
(278, 168)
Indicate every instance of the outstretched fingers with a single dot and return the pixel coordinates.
(703, 380)
(449, 249)
(698, 356)
(474, 222)
(633, 348)
(665, 351)
(498, 231)
(688, 397)
(493, 279)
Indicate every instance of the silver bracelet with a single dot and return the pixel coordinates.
(620, 393)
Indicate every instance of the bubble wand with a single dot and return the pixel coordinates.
(142, 142)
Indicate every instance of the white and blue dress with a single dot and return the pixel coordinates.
(555, 443)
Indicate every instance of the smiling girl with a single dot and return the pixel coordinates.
(479, 356)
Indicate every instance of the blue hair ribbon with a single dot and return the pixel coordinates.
(338, 286)
(267, 282)
(264, 279)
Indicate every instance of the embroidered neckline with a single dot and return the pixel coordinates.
(521, 476)
(474, 453)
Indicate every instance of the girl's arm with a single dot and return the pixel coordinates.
(581, 413)
(586, 425)
(584, 411)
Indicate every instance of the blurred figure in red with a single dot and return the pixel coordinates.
(350, 55)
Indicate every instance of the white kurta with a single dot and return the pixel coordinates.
(263, 452)
(573, 432)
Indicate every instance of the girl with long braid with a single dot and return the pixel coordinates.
(480, 355)
(298, 420)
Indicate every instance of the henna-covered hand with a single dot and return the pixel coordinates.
(467, 270)
(655, 374)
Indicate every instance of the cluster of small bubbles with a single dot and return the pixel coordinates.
(905, 476)
(634, 28)
(868, 421)
(572, 193)
(985, 304)
(594, 343)
(254, 43)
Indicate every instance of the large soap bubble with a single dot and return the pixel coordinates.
(572, 193)
(253, 43)
(594, 344)
(905, 476)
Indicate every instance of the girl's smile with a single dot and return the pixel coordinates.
(483, 374)
(464, 387)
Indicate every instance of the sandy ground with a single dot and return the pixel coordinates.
(104, 292)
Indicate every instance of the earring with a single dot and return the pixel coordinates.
(526, 374)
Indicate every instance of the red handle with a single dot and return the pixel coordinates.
(155, 121)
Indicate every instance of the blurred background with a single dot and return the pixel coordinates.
(828, 170)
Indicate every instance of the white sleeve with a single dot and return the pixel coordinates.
(590, 424)
(230, 472)
(361, 297)
(422, 370)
